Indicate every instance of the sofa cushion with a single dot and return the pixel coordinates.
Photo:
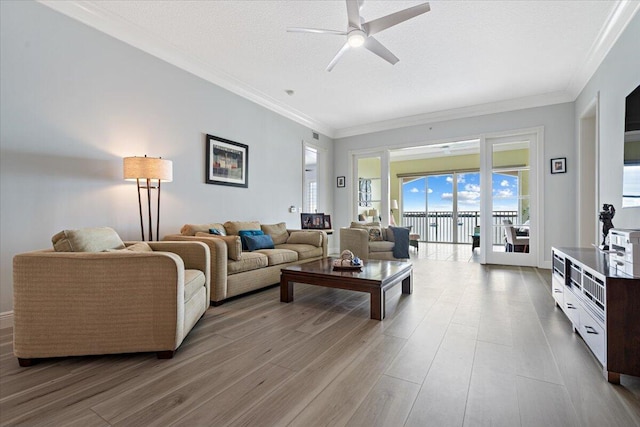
(233, 227)
(95, 239)
(278, 232)
(192, 229)
(374, 230)
(380, 246)
(193, 281)
(234, 246)
(250, 261)
(256, 242)
(313, 238)
(304, 251)
(139, 247)
(279, 256)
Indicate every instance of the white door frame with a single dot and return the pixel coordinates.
(588, 175)
(536, 203)
(385, 203)
(321, 162)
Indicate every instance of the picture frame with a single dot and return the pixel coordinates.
(327, 222)
(340, 182)
(559, 165)
(312, 221)
(227, 162)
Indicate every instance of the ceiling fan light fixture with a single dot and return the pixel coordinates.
(356, 38)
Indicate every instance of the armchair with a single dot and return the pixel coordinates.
(86, 303)
(370, 241)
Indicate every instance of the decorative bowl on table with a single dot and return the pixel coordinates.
(347, 261)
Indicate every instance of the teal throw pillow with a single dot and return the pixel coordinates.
(215, 231)
(245, 233)
(256, 242)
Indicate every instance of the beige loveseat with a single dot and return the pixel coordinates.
(145, 298)
(368, 241)
(235, 271)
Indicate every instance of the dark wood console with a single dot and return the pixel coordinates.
(603, 306)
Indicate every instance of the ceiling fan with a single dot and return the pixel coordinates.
(360, 33)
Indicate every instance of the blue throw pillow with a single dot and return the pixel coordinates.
(401, 244)
(215, 231)
(256, 242)
(244, 233)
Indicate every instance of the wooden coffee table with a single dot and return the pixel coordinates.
(375, 278)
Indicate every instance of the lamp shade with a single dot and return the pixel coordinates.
(147, 168)
(373, 212)
(394, 204)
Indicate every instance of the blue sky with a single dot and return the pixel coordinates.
(439, 189)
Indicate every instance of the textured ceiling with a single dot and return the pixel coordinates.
(461, 54)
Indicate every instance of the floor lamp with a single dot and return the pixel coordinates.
(148, 172)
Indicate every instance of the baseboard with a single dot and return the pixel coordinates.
(6, 319)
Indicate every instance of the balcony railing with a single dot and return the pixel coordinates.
(437, 226)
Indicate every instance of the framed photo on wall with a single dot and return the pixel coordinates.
(340, 182)
(227, 162)
(559, 165)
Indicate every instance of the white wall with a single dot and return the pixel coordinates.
(617, 76)
(75, 102)
(559, 141)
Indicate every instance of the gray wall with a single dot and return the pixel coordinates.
(617, 76)
(75, 102)
(558, 190)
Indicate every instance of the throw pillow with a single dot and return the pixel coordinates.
(390, 234)
(215, 231)
(234, 246)
(95, 239)
(374, 230)
(245, 233)
(278, 232)
(401, 245)
(313, 238)
(260, 241)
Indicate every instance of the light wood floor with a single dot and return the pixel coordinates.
(472, 346)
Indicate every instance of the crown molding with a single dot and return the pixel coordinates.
(458, 113)
(102, 20)
(94, 16)
(614, 26)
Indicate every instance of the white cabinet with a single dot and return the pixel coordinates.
(602, 305)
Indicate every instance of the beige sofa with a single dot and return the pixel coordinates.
(235, 271)
(368, 241)
(129, 298)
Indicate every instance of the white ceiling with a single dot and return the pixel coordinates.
(462, 58)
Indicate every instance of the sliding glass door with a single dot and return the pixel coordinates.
(444, 207)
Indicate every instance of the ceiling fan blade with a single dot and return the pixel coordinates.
(385, 22)
(353, 14)
(335, 59)
(376, 47)
(315, 30)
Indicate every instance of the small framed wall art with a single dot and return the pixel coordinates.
(340, 182)
(227, 162)
(559, 165)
